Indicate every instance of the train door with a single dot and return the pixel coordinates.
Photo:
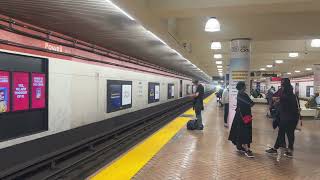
(181, 87)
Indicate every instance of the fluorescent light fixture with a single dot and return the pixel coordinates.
(262, 69)
(155, 36)
(289, 73)
(315, 43)
(309, 69)
(219, 66)
(294, 54)
(119, 9)
(215, 45)
(217, 56)
(297, 71)
(212, 25)
(269, 66)
(279, 61)
(220, 69)
(218, 62)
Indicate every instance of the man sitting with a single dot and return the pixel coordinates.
(312, 102)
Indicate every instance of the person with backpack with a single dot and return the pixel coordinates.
(198, 104)
(288, 117)
(241, 129)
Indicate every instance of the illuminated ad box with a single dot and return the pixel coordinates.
(20, 91)
(38, 90)
(4, 91)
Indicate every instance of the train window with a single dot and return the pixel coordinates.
(153, 92)
(119, 95)
(170, 91)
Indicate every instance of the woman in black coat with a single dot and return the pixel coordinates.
(288, 119)
(241, 132)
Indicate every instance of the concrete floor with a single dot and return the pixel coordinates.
(209, 155)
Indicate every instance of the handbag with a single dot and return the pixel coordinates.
(246, 118)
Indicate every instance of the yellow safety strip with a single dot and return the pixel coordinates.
(127, 165)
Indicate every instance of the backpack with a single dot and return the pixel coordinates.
(192, 125)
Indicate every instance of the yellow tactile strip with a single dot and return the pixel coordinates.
(130, 163)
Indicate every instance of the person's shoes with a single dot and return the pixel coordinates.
(288, 154)
(249, 154)
(241, 150)
(271, 151)
(200, 127)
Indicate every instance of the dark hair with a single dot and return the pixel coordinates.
(287, 88)
(195, 81)
(287, 99)
(240, 85)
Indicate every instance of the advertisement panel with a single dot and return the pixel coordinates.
(38, 90)
(4, 91)
(153, 92)
(157, 92)
(126, 94)
(115, 96)
(20, 91)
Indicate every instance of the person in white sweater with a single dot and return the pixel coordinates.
(225, 102)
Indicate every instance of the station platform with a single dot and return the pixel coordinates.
(176, 153)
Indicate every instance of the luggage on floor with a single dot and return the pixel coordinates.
(192, 124)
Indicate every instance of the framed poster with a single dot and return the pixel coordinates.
(153, 92)
(170, 91)
(4, 92)
(119, 95)
(309, 91)
(38, 90)
(20, 91)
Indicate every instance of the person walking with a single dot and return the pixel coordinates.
(241, 129)
(225, 102)
(198, 104)
(288, 120)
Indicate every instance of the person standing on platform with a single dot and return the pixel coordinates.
(241, 129)
(198, 103)
(288, 119)
(225, 102)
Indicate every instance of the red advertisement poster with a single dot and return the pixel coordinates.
(38, 91)
(4, 92)
(20, 91)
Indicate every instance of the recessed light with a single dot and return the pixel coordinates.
(212, 25)
(315, 43)
(220, 69)
(218, 62)
(269, 66)
(219, 66)
(309, 69)
(279, 61)
(262, 69)
(288, 72)
(215, 45)
(294, 54)
(297, 71)
(217, 56)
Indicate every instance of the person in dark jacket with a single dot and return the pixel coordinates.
(198, 103)
(241, 133)
(288, 119)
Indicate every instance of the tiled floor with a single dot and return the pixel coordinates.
(208, 155)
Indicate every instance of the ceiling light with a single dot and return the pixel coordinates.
(297, 71)
(293, 55)
(218, 62)
(155, 36)
(269, 66)
(217, 56)
(262, 69)
(215, 45)
(309, 69)
(220, 69)
(279, 61)
(219, 66)
(212, 25)
(288, 72)
(122, 11)
(315, 43)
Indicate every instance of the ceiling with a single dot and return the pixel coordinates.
(276, 28)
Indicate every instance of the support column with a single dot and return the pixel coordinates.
(316, 71)
(239, 71)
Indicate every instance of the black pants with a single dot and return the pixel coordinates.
(285, 129)
(226, 112)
